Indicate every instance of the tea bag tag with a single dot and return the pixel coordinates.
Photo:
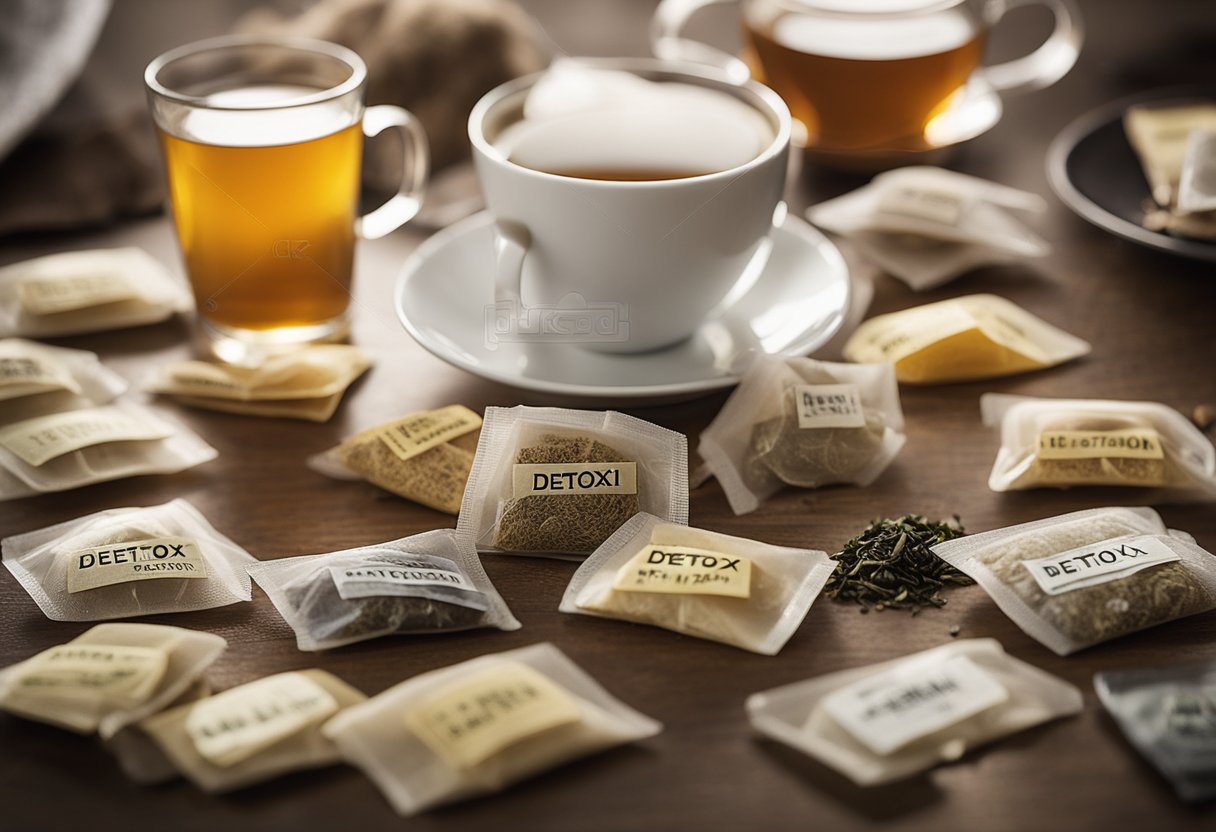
(419, 432)
(1100, 563)
(406, 577)
(140, 560)
(119, 675)
(39, 440)
(50, 294)
(24, 370)
(829, 406)
(1125, 443)
(935, 205)
(578, 478)
(685, 570)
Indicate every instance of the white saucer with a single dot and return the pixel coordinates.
(793, 306)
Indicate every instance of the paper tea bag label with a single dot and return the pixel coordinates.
(891, 710)
(420, 432)
(929, 204)
(554, 478)
(37, 441)
(121, 675)
(373, 579)
(50, 294)
(1099, 563)
(19, 366)
(234, 725)
(472, 719)
(683, 570)
(909, 332)
(140, 560)
(1127, 443)
(829, 406)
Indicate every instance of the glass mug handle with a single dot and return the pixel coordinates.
(403, 205)
(667, 44)
(1045, 65)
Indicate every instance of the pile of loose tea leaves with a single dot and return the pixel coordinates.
(890, 565)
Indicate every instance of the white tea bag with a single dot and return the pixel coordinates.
(714, 586)
(426, 583)
(1159, 136)
(805, 423)
(1079, 579)
(482, 725)
(138, 755)
(891, 720)
(425, 457)
(124, 562)
(254, 732)
(557, 482)
(1197, 184)
(304, 384)
(1060, 443)
(1169, 715)
(922, 262)
(109, 677)
(962, 339)
(87, 291)
(35, 378)
(72, 448)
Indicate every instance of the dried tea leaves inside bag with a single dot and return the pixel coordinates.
(891, 720)
(430, 582)
(425, 457)
(714, 586)
(482, 725)
(963, 339)
(1079, 579)
(129, 561)
(108, 677)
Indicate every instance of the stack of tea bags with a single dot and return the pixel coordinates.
(1177, 148)
(927, 225)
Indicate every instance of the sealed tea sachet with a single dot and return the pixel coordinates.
(1079, 579)
(806, 423)
(427, 583)
(139, 757)
(714, 586)
(109, 677)
(558, 482)
(1197, 186)
(254, 732)
(1163, 139)
(124, 562)
(87, 291)
(425, 457)
(482, 725)
(1060, 443)
(963, 339)
(891, 720)
(307, 383)
(72, 448)
(36, 379)
(1169, 715)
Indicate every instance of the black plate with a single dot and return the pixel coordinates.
(1095, 172)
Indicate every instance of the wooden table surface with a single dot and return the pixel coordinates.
(1149, 317)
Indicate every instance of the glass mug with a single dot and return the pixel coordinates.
(878, 76)
(263, 143)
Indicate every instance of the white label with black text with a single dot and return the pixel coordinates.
(1099, 563)
(376, 578)
(829, 406)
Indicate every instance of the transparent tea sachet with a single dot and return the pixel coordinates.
(1061, 443)
(425, 457)
(72, 448)
(1197, 186)
(255, 732)
(805, 423)
(109, 677)
(87, 291)
(962, 339)
(736, 591)
(557, 482)
(1159, 136)
(138, 755)
(1083, 578)
(427, 583)
(1169, 715)
(891, 720)
(482, 725)
(36, 379)
(124, 562)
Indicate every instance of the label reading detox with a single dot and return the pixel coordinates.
(121, 675)
(554, 478)
(140, 560)
(682, 570)
(1099, 563)
(829, 406)
(1128, 443)
(37, 441)
(420, 432)
(50, 295)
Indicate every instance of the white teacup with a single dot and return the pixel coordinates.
(638, 265)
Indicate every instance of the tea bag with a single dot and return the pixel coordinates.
(1059, 443)
(139, 757)
(927, 225)
(304, 384)
(806, 423)
(87, 291)
(1197, 184)
(1083, 578)
(558, 482)
(482, 725)
(124, 562)
(73, 448)
(1159, 135)
(37, 378)
(891, 720)
(1169, 715)
(425, 583)
(424, 457)
(109, 677)
(962, 339)
(714, 586)
(254, 732)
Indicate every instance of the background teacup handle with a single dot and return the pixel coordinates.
(416, 164)
(667, 44)
(1045, 65)
(511, 243)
